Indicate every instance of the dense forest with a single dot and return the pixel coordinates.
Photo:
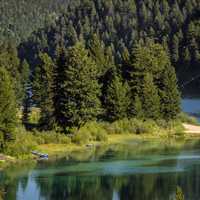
(120, 24)
(93, 60)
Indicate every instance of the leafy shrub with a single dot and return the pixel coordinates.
(81, 137)
(179, 194)
(132, 126)
(49, 137)
(24, 143)
(90, 131)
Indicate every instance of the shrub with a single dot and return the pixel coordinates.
(90, 131)
(81, 137)
(179, 194)
(24, 143)
(131, 126)
(49, 137)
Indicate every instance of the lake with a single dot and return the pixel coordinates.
(136, 170)
(191, 106)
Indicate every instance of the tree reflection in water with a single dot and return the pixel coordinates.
(122, 175)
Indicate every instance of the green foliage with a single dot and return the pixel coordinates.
(117, 100)
(179, 194)
(7, 108)
(137, 108)
(151, 99)
(26, 141)
(45, 91)
(80, 89)
(91, 131)
(169, 94)
(10, 61)
(35, 114)
(50, 137)
(22, 145)
(132, 126)
(152, 82)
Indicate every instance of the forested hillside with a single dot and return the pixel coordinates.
(20, 18)
(120, 24)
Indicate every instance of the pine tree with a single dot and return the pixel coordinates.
(175, 49)
(58, 88)
(80, 88)
(117, 99)
(7, 108)
(46, 103)
(97, 52)
(150, 98)
(9, 59)
(169, 94)
(137, 108)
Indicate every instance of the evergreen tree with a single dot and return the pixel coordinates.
(117, 100)
(7, 108)
(150, 98)
(169, 94)
(58, 88)
(175, 49)
(46, 103)
(137, 108)
(81, 89)
(9, 59)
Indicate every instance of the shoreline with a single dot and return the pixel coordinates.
(61, 150)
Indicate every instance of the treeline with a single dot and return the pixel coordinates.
(82, 85)
(121, 24)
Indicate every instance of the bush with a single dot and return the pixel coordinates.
(91, 131)
(49, 137)
(132, 126)
(81, 137)
(24, 143)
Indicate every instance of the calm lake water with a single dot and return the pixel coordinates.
(130, 171)
(123, 172)
(191, 106)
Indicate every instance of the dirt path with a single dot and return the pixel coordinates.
(191, 129)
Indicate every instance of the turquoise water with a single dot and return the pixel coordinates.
(141, 171)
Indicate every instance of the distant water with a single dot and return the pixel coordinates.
(191, 106)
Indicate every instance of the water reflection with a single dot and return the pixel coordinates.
(122, 175)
